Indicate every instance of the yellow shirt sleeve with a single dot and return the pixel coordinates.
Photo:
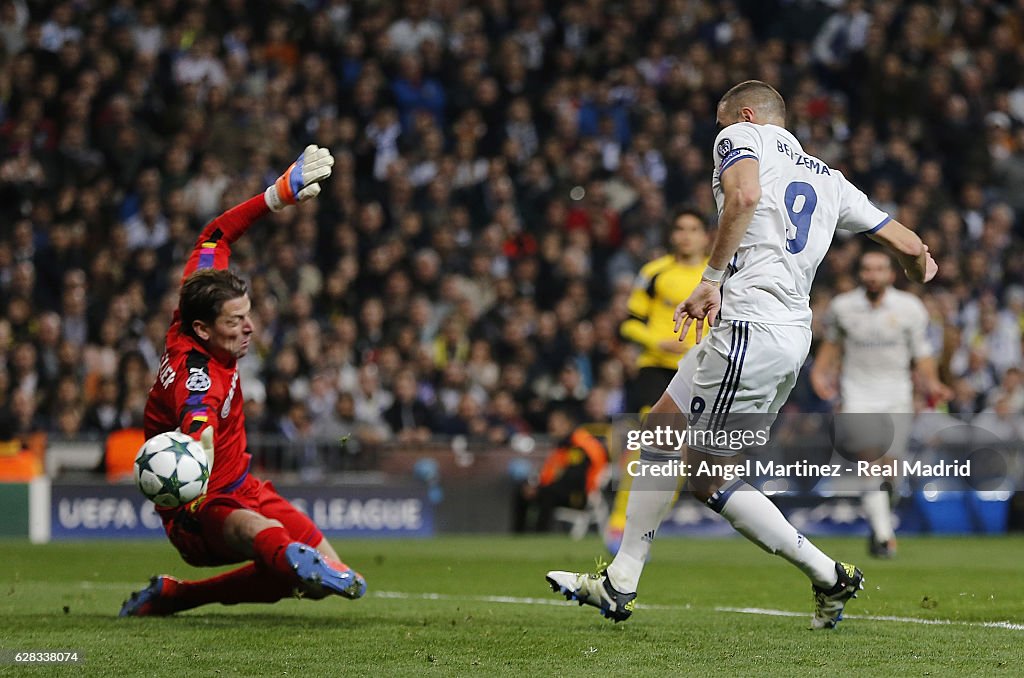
(636, 327)
(660, 287)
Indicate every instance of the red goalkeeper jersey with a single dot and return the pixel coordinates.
(194, 390)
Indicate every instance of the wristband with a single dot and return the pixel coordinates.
(273, 200)
(713, 275)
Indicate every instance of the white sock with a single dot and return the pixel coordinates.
(755, 517)
(876, 509)
(650, 498)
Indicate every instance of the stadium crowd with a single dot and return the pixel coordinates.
(504, 168)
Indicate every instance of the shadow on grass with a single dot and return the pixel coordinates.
(211, 619)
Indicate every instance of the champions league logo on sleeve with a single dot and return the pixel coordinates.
(198, 380)
(724, 146)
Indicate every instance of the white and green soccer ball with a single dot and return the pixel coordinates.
(171, 469)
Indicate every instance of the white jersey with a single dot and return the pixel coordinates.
(803, 201)
(878, 344)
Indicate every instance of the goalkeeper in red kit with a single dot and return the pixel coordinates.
(197, 390)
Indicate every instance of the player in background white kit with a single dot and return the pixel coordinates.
(873, 336)
(778, 210)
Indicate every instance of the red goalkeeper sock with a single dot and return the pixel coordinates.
(248, 584)
(270, 545)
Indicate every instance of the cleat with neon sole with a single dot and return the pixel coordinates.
(830, 603)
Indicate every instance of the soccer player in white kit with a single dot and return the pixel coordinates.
(778, 210)
(873, 336)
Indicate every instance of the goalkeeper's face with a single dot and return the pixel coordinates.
(230, 333)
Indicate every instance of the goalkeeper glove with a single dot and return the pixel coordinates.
(300, 181)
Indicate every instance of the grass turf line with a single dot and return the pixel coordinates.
(957, 579)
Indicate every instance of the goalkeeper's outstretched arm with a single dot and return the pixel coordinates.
(298, 183)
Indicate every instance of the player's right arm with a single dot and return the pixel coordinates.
(925, 367)
(858, 215)
(825, 372)
(741, 191)
(298, 183)
(913, 254)
(829, 358)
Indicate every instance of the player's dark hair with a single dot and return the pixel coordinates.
(755, 94)
(681, 211)
(565, 411)
(687, 211)
(203, 295)
(878, 250)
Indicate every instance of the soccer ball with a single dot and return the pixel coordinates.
(171, 469)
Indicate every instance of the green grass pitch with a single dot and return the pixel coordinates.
(433, 610)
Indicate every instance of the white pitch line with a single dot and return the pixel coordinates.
(521, 600)
(878, 617)
(514, 600)
(399, 595)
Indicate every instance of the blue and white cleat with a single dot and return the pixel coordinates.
(593, 589)
(829, 603)
(147, 602)
(319, 572)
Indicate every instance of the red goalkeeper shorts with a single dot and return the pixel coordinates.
(197, 529)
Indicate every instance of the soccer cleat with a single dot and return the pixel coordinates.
(319, 572)
(881, 549)
(593, 589)
(829, 603)
(147, 602)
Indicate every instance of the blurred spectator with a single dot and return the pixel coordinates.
(571, 472)
(13, 19)
(25, 414)
(505, 418)
(105, 414)
(410, 31)
(371, 400)
(300, 451)
(148, 227)
(467, 420)
(569, 390)
(409, 419)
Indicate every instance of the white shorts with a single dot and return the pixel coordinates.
(741, 367)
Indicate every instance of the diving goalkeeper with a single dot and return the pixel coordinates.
(197, 390)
